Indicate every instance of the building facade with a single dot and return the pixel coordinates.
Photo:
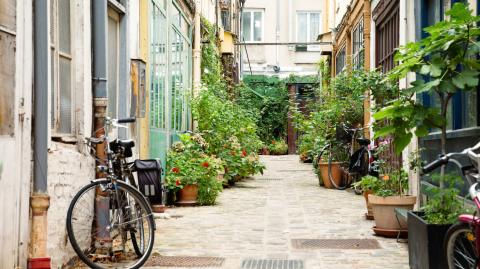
(367, 34)
(281, 36)
(87, 60)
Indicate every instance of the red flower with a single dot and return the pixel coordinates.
(177, 182)
(273, 142)
(205, 164)
(244, 153)
(176, 170)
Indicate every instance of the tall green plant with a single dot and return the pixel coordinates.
(446, 63)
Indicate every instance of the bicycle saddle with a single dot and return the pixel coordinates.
(363, 141)
(125, 146)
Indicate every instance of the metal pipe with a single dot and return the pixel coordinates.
(99, 28)
(99, 77)
(41, 79)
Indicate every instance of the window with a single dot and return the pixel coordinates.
(308, 26)
(158, 68)
(358, 47)
(252, 26)
(387, 41)
(180, 76)
(463, 108)
(62, 101)
(7, 71)
(340, 61)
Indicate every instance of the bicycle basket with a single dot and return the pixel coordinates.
(149, 174)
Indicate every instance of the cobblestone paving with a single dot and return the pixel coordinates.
(259, 217)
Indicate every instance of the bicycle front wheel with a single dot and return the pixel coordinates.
(110, 225)
(460, 247)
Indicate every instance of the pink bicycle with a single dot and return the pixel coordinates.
(462, 241)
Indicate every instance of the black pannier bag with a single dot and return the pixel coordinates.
(149, 174)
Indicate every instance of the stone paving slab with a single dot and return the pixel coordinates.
(259, 218)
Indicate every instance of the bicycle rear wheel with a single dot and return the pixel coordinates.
(344, 181)
(460, 247)
(110, 225)
(359, 166)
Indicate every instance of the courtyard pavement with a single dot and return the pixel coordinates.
(258, 218)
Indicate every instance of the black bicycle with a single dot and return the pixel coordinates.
(360, 158)
(109, 222)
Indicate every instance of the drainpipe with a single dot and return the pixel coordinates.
(100, 101)
(197, 50)
(277, 33)
(39, 198)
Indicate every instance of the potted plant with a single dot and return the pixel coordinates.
(278, 147)
(339, 156)
(192, 173)
(427, 228)
(390, 193)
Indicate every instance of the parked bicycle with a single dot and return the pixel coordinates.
(360, 159)
(462, 241)
(109, 222)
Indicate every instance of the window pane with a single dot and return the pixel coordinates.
(65, 102)
(112, 66)
(257, 31)
(470, 109)
(314, 26)
(158, 70)
(246, 27)
(302, 27)
(7, 85)
(64, 25)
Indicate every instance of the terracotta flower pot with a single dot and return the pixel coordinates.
(369, 214)
(336, 174)
(383, 210)
(188, 195)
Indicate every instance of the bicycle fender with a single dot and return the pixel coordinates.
(470, 219)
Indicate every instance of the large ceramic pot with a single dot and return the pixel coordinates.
(336, 174)
(369, 214)
(384, 211)
(188, 195)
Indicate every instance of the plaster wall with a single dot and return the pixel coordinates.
(264, 57)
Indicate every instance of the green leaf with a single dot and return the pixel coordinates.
(425, 70)
(435, 70)
(384, 131)
(421, 131)
(402, 141)
(466, 78)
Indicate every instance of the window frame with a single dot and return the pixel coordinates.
(252, 26)
(308, 13)
(358, 47)
(55, 90)
(117, 17)
(342, 52)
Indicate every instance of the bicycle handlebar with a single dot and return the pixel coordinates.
(126, 120)
(444, 159)
(435, 164)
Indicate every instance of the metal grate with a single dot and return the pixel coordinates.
(184, 261)
(335, 244)
(270, 179)
(295, 170)
(271, 264)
